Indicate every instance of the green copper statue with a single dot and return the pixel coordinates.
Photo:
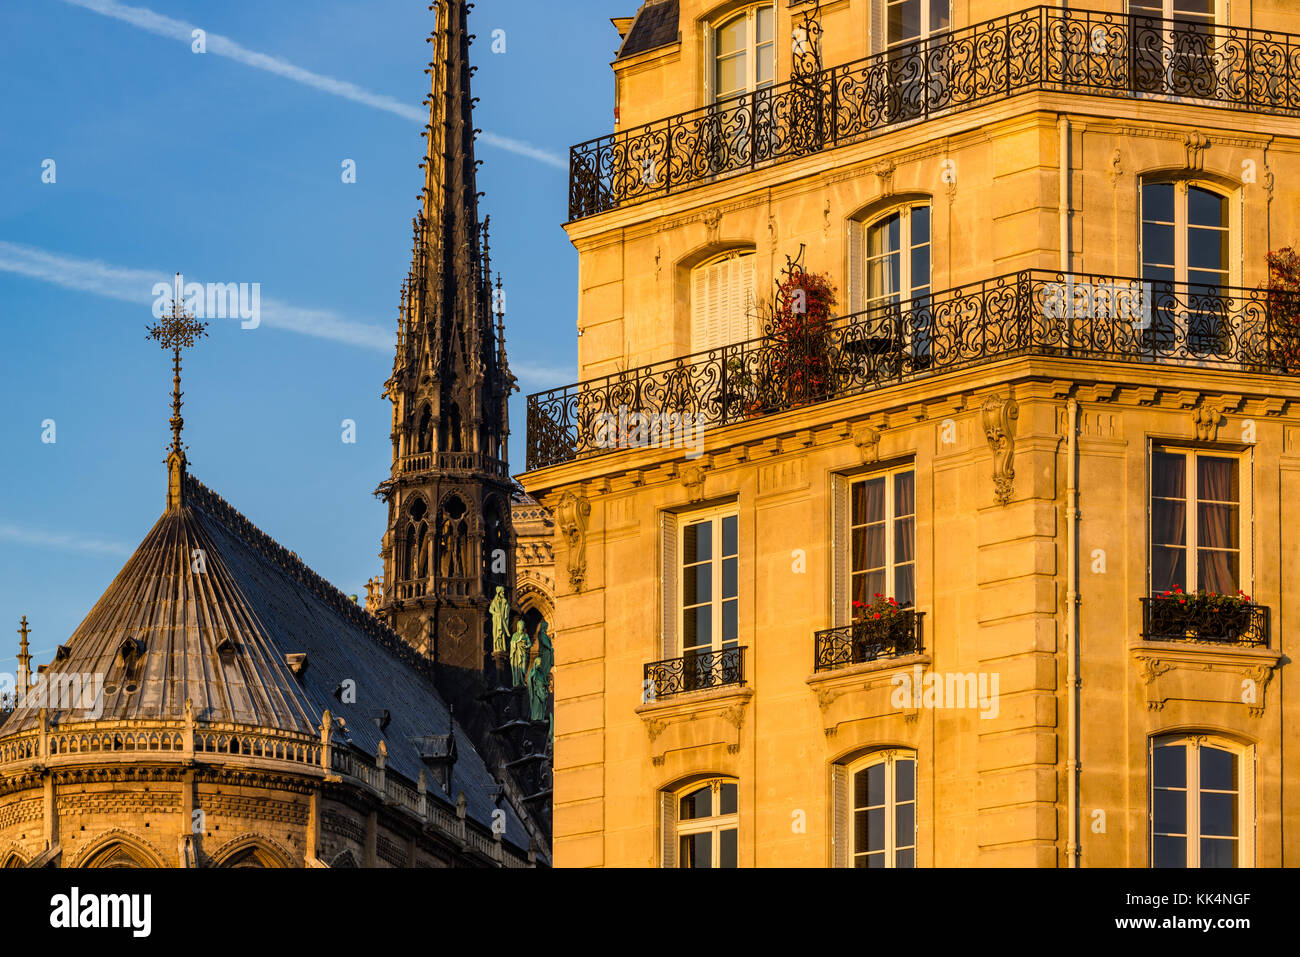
(537, 690)
(519, 645)
(546, 650)
(500, 612)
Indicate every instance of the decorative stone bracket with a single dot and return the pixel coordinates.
(1000, 414)
(571, 520)
(697, 720)
(1174, 671)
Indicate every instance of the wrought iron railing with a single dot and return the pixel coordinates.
(1039, 48)
(670, 403)
(695, 671)
(893, 637)
(1209, 621)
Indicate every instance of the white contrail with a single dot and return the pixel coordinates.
(136, 285)
(219, 45)
(68, 541)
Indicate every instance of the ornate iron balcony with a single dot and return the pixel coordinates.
(1039, 48)
(695, 671)
(1028, 313)
(864, 641)
(1214, 619)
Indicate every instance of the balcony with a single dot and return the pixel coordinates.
(1031, 313)
(865, 641)
(695, 671)
(453, 462)
(1205, 619)
(1041, 48)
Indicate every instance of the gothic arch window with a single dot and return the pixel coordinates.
(424, 432)
(120, 852)
(418, 541)
(251, 853)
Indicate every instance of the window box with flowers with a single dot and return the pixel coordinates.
(1204, 617)
(880, 629)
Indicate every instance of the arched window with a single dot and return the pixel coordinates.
(722, 301)
(701, 824)
(1202, 802)
(874, 810)
(889, 279)
(744, 52)
(1185, 255)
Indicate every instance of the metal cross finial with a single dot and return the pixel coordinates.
(178, 330)
(24, 631)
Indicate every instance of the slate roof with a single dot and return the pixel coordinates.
(254, 594)
(655, 26)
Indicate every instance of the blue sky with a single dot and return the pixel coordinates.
(227, 167)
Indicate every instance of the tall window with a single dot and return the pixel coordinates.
(722, 301)
(744, 56)
(710, 598)
(701, 825)
(1185, 239)
(883, 531)
(1174, 58)
(1197, 522)
(889, 277)
(875, 811)
(1202, 802)
(915, 64)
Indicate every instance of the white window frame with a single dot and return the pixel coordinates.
(1246, 811)
(710, 332)
(891, 516)
(1245, 512)
(715, 516)
(847, 811)
(715, 824)
(927, 10)
(750, 14)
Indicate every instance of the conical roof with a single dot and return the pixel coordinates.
(212, 609)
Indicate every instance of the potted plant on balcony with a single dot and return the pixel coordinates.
(797, 326)
(1200, 616)
(1283, 348)
(881, 628)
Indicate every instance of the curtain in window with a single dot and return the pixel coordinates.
(1217, 555)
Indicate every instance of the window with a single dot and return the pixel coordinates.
(875, 811)
(710, 600)
(722, 301)
(1185, 235)
(1173, 58)
(1197, 522)
(889, 278)
(700, 825)
(744, 52)
(1202, 802)
(883, 533)
(915, 67)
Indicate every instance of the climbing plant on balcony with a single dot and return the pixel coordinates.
(796, 366)
(1284, 307)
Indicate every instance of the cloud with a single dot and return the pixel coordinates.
(65, 541)
(222, 46)
(136, 285)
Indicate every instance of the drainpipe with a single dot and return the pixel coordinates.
(1072, 626)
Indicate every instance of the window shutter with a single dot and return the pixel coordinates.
(710, 61)
(701, 311)
(668, 574)
(840, 813)
(857, 267)
(667, 829)
(840, 556)
(722, 295)
(877, 36)
(1248, 815)
(742, 300)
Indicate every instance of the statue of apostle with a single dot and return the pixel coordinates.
(519, 645)
(500, 612)
(537, 690)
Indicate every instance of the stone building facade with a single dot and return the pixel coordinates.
(1057, 382)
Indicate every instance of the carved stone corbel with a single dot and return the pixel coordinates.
(884, 171)
(692, 477)
(1196, 144)
(867, 440)
(1207, 419)
(571, 519)
(1000, 414)
(712, 223)
(1260, 676)
(1150, 669)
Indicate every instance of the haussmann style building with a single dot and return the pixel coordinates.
(931, 491)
